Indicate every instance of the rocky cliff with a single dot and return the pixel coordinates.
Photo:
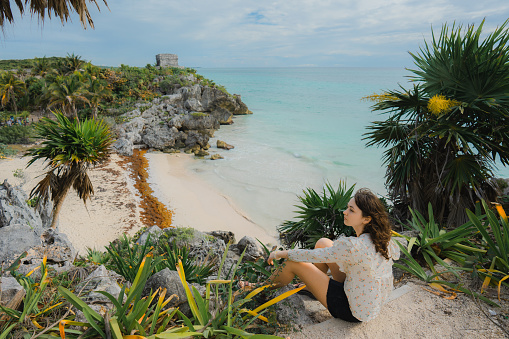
(183, 118)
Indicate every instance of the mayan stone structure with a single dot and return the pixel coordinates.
(167, 60)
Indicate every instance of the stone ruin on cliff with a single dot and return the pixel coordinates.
(167, 60)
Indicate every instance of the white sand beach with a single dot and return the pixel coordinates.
(197, 204)
(114, 210)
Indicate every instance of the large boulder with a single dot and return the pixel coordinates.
(198, 121)
(20, 225)
(292, 310)
(170, 280)
(250, 245)
(196, 138)
(123, 146)
(160, 136)
(103, 280)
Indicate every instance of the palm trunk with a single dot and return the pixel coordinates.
(56, 209)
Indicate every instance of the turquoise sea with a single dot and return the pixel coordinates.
(306, 129)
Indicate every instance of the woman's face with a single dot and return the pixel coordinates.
(353, 217)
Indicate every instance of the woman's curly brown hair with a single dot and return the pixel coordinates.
(379, 226)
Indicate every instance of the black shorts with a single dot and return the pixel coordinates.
(337, 302)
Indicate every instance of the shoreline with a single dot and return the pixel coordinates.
(195, 202)
(114, 209)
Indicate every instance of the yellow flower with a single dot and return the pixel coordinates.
(438, 104)
(380, 97)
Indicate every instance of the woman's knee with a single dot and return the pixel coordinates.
(324, 242)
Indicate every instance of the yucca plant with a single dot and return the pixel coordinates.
(494, 264)
(126, 256)
(318, 216)
(258, 270)
(32, 309)
(132, 313)
(414, 268)
(433, 244)
(225, 320)
(195, 272)
(97, 257)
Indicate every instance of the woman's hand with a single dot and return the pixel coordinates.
(272, 256)
(276, 255)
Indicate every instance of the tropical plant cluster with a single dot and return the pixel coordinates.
(318, 216)
(224, 311)
(443, 135)
(478, 248)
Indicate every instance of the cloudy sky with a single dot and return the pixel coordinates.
(250, 33)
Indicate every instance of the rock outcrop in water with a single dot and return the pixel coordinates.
(184, 118)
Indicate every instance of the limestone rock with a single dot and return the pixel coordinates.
(20, 225)
(155, 232)
(187, 117)
(224, 145)
(198, 121)
(14, 208)
(249, 244)
(226, 236)
(195, 138)
(224, 116)
(241, 108)
(123, 147)
(160, 136)
(100, 280)
(193, 104)
(201, 153)
(9, 287)
(292, 310)
(171, 281)
(216, 157)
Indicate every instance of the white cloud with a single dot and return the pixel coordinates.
(249, 32)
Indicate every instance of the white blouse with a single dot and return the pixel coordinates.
(369, 279)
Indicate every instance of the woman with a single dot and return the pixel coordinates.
(361, 266)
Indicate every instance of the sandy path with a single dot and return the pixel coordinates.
(111, 211)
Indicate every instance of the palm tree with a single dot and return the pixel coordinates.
(71, 147)
(59, 8)
(445, 134)
(66, 91)
(10, 87)
(73, 63)
(41, 67)
(97, 91)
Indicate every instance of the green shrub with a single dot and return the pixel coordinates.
(319, 217)
(16, 134)
(5, 151)
(195, 271)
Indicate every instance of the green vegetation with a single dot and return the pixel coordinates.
(80, 89)
(319, 216)
(485, 257)
(16, 134)
(71, 147)
(223, 311)
(444, 134)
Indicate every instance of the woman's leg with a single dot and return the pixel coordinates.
(333, 267)
(316, 281)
